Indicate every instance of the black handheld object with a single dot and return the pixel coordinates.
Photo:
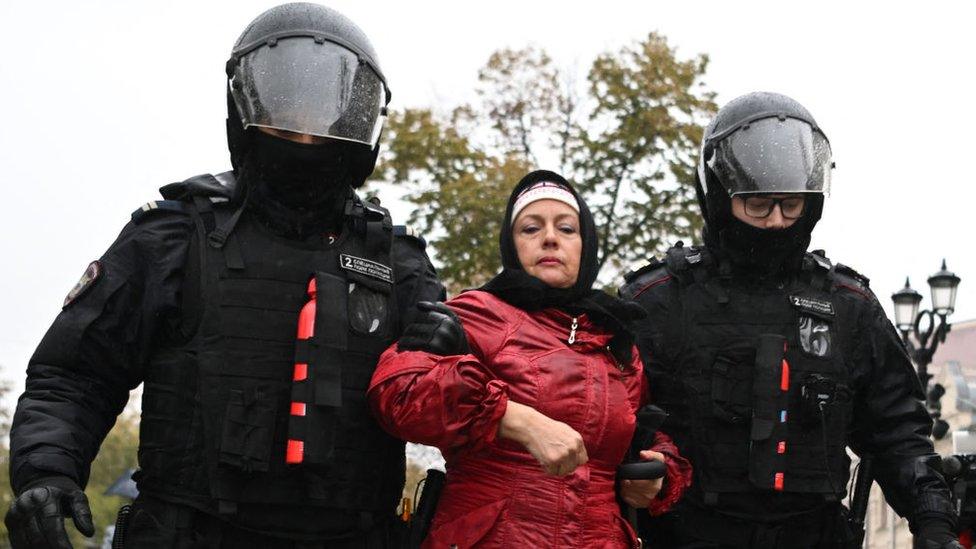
(859, 500)
(426, 507)
(649, 420)
(642, 470)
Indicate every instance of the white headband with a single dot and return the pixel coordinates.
(544, 190)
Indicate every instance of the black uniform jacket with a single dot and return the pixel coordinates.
(79, 378)
(887, 418)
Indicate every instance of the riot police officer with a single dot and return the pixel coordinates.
(772, 360)
(251, 436)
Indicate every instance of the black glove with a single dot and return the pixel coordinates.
(936, 534)
(436, 330)
(36, 518)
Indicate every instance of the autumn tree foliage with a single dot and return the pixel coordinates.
(628, 138)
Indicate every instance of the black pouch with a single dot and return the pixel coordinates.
(732, 385)
(770, 392)
(246, 437)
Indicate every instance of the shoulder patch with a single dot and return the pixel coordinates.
(410, 233)
(91, 275)
(156, 206)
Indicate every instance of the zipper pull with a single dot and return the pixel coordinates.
(572, 331)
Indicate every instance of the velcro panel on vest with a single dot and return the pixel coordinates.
(768, 437)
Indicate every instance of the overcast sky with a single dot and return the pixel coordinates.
(104, 102)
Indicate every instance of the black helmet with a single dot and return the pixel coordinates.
(308, 69)
(766, 143)
(762, 142)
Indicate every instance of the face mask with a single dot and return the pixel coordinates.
(300, 175)
(764, 250)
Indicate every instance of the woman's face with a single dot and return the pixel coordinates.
(548, 242)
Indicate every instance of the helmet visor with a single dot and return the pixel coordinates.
(303, 86)
(773, 155)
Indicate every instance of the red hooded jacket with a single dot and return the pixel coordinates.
(497, 494)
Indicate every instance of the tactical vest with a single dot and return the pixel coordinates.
(760, 389)
(216, 410)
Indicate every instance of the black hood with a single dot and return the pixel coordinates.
(591, 242)
(514, 285)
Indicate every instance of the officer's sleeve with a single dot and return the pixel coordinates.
(78, 379)
(453, 402)
(656, 337)
(416, 278)
(892, 425)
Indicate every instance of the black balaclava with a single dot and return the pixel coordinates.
(514, 285)
(295, 189)
(762, 252)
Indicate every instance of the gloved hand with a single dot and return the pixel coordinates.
(436, 330)
(936, 534)
(36, 518)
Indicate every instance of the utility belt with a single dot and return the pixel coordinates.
(822, 528)
(152, 522)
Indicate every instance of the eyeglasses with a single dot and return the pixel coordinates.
(761, 206)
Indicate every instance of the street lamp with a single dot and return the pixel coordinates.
(908, 319)
(944, 284)
(906, 307)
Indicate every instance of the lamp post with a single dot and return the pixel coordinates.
(909, 319)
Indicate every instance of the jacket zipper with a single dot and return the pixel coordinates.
(572, 330)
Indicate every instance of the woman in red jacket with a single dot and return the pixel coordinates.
(534, 409)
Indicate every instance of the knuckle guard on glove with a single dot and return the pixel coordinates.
(36, 517)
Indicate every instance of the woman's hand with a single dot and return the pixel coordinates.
(639, 493)
(555, 445)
